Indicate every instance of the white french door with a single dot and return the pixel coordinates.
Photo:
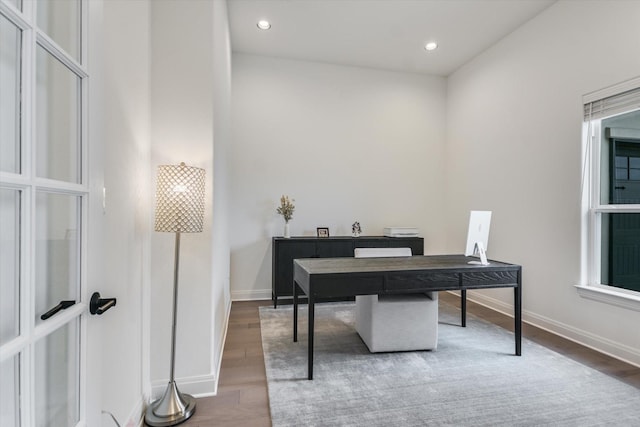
(44, 205)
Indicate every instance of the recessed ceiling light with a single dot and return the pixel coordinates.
(264, 24)
(431, 46)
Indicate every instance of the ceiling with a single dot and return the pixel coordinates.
(385, 34)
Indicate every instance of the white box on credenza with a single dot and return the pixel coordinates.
(401, 232)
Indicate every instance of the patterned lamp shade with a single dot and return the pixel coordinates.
(180, 199)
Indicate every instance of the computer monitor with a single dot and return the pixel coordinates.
(478, 236)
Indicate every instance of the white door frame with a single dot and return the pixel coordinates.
(90, 192)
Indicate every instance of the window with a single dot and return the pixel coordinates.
(611, 190)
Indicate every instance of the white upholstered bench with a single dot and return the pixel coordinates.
(401, 322)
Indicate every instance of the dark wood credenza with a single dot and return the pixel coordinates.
(285, 250)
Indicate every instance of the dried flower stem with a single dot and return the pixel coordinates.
(286, 208)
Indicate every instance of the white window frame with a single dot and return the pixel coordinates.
(592, 209)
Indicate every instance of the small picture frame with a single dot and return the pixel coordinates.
(323, 231)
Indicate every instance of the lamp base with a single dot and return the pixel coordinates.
(173, 408)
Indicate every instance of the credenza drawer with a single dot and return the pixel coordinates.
(404, 282)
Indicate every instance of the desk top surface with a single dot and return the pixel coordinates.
(388, 264)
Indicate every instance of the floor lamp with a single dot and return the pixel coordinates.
(179, 209)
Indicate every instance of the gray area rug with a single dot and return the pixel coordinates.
(472, 379)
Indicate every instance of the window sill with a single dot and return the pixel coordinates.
(609, 295)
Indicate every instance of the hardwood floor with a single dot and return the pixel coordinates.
(243, 400)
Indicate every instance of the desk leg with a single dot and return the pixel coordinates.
(311, 321)
(463, 308)
(295, 312)
(517, 304)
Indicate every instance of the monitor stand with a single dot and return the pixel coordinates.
(479, 249)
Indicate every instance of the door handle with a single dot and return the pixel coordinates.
(62, 306)
(622, 187)
(99, 305)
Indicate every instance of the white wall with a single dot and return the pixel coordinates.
(128, 206)
(160, 108)
(514, 122)
(182, 131)
(346, 143)
(332, 137)
(221, 182)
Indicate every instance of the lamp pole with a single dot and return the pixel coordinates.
(174, 407)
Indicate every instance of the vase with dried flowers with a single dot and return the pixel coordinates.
(286, 209)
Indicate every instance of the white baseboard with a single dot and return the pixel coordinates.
(220, 349)
(259, 294)
(603, 345)
(197, 386)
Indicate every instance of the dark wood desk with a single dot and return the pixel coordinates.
(340, 277)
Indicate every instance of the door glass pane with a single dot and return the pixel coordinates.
(60, 20)
(10, 39)
(57, 250)
(621, 173)
(57, 119)
(57, 377)
(9, 264)
(10, 392)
